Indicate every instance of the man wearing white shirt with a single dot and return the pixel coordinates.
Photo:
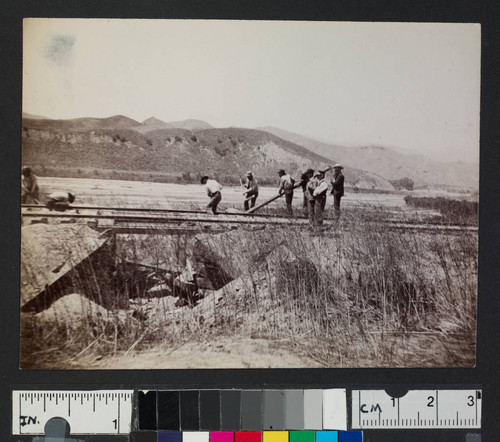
(317, 188)
(213, 189)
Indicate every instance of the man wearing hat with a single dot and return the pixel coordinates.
(337, 188)
(252, 191)
(286, 188)
(317, 188)
(29, 186)
(304, 179)
(213, 189)
(60, 201)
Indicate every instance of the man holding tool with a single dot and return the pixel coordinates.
(213, 189)
(252, 191)
(29, 186)
(286, 187)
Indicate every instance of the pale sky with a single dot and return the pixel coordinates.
(411, 86)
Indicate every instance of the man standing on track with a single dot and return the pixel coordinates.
(252, 191)
(213, 189)
(286, 188)
(304, 179)
(317, 188)
(337, 188)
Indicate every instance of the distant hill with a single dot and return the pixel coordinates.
(390, 163)
(81, 124)
(97, 144)
(152, 121)
(152, 124)
(190, 124)
(34, 117)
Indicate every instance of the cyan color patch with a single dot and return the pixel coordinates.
(327, 436)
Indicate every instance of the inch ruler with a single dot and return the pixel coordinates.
(87, 412)
(418, 409)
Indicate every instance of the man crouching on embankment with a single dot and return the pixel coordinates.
(213, 189)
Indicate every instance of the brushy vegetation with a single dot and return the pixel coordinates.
(454, 211)
(355, 294)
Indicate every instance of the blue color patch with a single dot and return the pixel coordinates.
(327, 436)
(169, 436)
(350, 436)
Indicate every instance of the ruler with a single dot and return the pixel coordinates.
(87, 412)
(427, 409)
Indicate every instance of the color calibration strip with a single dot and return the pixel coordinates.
(246, 436)
(243, 410)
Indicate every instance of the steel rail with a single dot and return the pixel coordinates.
(197, 212)
(155, 210)
(200, 212)
(249, 221)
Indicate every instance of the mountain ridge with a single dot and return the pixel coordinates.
(390, 163)
(224, 151)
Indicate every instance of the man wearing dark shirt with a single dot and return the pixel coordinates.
(337, 188)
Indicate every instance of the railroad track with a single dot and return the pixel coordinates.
(181, 220)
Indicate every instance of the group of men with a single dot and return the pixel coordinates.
(314, 188)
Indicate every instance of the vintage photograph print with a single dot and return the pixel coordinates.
(249, 194)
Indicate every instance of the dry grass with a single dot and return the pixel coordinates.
(356, 294)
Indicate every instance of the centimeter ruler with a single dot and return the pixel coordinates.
(87, 412)
(424, 409)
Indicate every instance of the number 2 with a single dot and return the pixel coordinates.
(431, 401)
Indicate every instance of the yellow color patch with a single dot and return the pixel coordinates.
(275, 436)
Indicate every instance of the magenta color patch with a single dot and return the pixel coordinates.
(222, 436)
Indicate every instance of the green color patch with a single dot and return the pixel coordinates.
(302, 436)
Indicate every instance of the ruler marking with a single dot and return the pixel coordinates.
(44, 402)
(437, 406)
(476, 406)
(93, 403)
(398, 411)
(118, 414)
(20, 413)
(69, 406)
(359, 405)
